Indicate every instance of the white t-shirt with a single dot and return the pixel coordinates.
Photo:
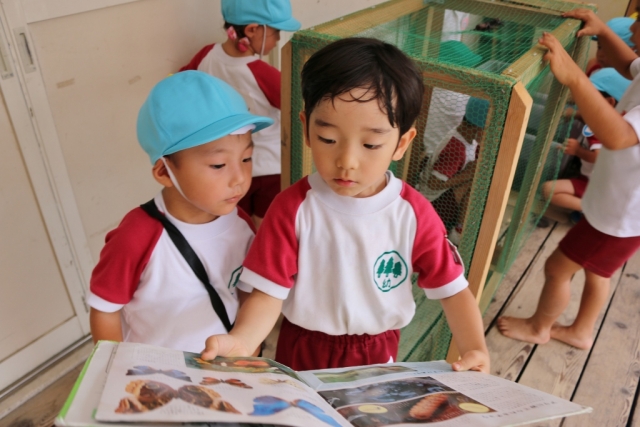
(631, 97)
(343, 265)
(163, 303)
(259, 85)
(611, 202)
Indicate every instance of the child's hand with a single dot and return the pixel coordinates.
(572, 147)
(226, 346)
(472, 360)
(562, 66)
(593, 25)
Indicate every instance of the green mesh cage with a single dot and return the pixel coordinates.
(491, 117)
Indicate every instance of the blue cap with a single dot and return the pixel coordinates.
(622, 27)
(455, 52)
(189, 109)
(274, 13)
(476, 111)
(610, 81)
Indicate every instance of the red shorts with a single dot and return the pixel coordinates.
(302, 350)
(595, 251)
(260, 195)
(579, 185)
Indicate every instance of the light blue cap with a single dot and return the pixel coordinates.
(622, 27)
(274, 13)
(189, 109)
(610, 81)
(476, 111)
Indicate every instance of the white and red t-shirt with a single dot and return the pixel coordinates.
(259, 85)
(449, 159)
(142, 273)
(611, 202)
(343, 265)
(589, 142)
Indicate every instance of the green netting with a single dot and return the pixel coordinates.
(469, 75)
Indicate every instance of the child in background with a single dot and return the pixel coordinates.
(339, 246)
(609, 233)
(197, 132)
(253, 27)
(447, 179)
(567, 193)
(620, 27)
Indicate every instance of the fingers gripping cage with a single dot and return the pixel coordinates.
(491, 113)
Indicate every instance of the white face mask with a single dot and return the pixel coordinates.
(264, 40)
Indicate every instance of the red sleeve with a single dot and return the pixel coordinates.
(451, 159)
(434, 258)
(196, 60)
(124, 257)
(268, 79)
(274, 252)
(242, 214)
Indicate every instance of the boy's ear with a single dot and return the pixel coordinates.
(250, 30)
(305, 130)
(160, 174)
(611, 100)
(404, 143)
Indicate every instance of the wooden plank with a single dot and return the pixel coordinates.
(285, 116)
(508, 356)
(610, 379)
(357, 22)
(504, 171)
(42, 409)
(530, 65)
(518, 273)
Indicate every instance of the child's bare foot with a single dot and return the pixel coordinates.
(567, 335)
(522, 330)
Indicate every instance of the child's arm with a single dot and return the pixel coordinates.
(255, 320)
(574, 148)
(105, 326)
(458, 179)
(465, 323)
(612, 130)
(618, 53)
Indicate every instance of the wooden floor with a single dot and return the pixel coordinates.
(605, 377)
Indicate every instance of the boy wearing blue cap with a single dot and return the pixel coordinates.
(337, 249)
(253, 27)
(609, 233)
(447, 178)
(621, 28)
(168, 274)
(567, 193)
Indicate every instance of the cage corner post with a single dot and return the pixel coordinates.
(285, 114)
(518, 112)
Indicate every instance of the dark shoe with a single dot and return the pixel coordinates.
(543, 223)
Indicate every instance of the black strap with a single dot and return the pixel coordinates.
(192, 259)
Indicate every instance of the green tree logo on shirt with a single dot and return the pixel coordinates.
(233, 281)
(389, 271)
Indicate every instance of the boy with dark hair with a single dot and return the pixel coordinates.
(339, 246)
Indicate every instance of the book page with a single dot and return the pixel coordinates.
(406, 394)
(147, 384)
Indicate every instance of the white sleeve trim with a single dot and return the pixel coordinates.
(440, 176)
(634, 68)
(448, 290)
(94, 301)
(595, 147)
(258, 282)
(244, 287)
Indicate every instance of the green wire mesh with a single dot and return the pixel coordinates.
(469, 76)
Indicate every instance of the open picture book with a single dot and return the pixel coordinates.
(137, 384)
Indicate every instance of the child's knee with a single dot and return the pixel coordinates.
(547, 189)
